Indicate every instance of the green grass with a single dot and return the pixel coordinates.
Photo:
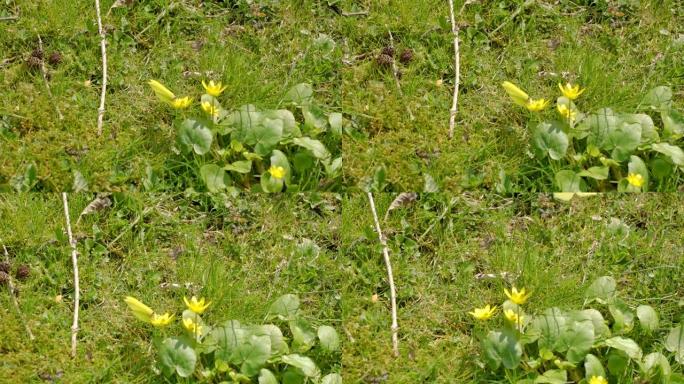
(180, 43)
(555, 249)
(239, 253)
(618, 58)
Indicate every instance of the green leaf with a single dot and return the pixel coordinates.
(330, 341)
(226, 338)
(244, 120)
(622, 316)
(649, 134)
(673, 124)
(600, 125)
(314, 118)
(290, 128)
(252, 355)
(656, 368)
(176, 356)
(553, 376)
(550, 325)
(568, 181)
(194, 135)
(598, 173)
(270, 184)
(267, 135)
(305, 364)
(430, 185)
(240, 166)
(214, 177)
(623, 140)
(550, 140)
(278, 344)
(293, 376)
(303, 161)
(626, 345)
(300, 94)
(648, 317)
(502, 348)
(674, 342)
(617, 362)
(303, 335)
(600, 327)
(661, 168)
(577, 340)
(673, 152)
(636, 165)
(332, 378)
(267, 377)
(602, 290)
(279, 159)
(285, 307)
(593, 366)
(658, 98)
(316, 147)
(335, 120)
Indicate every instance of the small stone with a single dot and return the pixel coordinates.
(23, 272)
(384, 60)
(406, 56)
(55, 58)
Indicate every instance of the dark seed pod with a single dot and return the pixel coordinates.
(23, 272)
(4, 278)
(34, 62)
(384, 60)
(389, 51)
(55, 58)
(37, 53)
(406, 56)
(5, 266)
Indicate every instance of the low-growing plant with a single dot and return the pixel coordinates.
(606, 150)
(580, 346)
(233, 352)
(259, 150)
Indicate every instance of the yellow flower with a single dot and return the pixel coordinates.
(191, 326)
(277, 172)
(212, 88)
(598, 380)
(537, 105)
(163, 93)
(210, 108)
(635, 179)
(140, 310)
(570, 91)
(566, 112)
(518, 95)
(181, 102)
(483, 313)
(195, 305)
(161, 320)
(518, 297)
(512, 316)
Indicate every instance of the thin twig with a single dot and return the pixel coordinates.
(351, 14)
(390, 277)
(457, 66)
(12, 290)
(395, 72)
(9, 18)
(103, 48)
(43, 70)
(74, 261)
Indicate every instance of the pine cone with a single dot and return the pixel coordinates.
(34, 62)
(4, 278)
(55, 58)
(406, 56)
(389, 51)
(384, 60)
(5, 266)
(23, 272)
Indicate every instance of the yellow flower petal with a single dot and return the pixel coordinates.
(536, 105)
(518, 95)
(163, 93)
(212, 88)
(570, 91)
(635, 179)
(197, 306)
(161, 320)
(277, 172)
(140, 310)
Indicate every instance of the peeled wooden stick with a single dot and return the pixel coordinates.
(74, 262)
(390, 277)
(14, 298)
(103, 48)
(457, 65)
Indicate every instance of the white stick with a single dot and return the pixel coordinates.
(457, 64)
(74, 261)
(103, 48)
(43, 70)
(14, 297)
(390, 277)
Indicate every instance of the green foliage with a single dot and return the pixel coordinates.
(560, 345)
(239, 353)
(606, 150)
(241, 149)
